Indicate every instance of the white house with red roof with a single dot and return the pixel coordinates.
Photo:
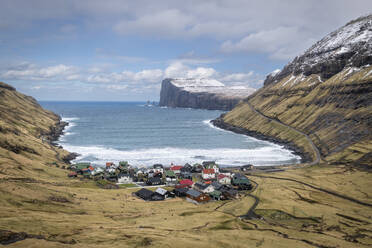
(176, 168)
(208, 174)
(223, 179)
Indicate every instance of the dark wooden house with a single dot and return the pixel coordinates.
(197, 197)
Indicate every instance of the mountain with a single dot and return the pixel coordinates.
(201, 93)
(321, 102)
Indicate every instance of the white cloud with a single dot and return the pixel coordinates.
(280, 43)
(27, 71)
(145, 80)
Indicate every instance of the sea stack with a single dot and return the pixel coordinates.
(201, 93)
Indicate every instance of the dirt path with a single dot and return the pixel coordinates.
(316, 150)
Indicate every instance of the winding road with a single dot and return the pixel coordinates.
(316, 150)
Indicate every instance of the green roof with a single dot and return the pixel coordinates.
(80, 166)
(216, 193)
(123, 163)
(241, 180)
(169, 173)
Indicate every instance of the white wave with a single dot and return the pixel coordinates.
(66, 131)
(209, 123)
(70, 119)
(167, 155)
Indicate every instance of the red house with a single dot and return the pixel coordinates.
(176, 168)
(208, 174)
(187, 182)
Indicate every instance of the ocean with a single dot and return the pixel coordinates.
(145, 135)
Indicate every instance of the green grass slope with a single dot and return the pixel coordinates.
(335, 114)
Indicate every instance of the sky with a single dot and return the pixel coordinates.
(117, 50)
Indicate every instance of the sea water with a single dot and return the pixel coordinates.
(144, 135)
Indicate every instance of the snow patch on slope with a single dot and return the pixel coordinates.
(200, 85)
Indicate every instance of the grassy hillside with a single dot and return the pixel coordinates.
(25, 131)
(336, 114)
(41, 207)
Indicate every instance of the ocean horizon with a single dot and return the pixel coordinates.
(102, 131)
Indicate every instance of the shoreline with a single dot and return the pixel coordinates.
(55, 133)
(58, 130)
(305, 157)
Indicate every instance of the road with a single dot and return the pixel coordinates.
(316, 150)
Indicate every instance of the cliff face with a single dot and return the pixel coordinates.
(326, 93)
(26, 133)
(200, 93)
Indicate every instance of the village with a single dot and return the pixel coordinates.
(198, 183)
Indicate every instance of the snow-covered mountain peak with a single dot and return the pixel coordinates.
(348, 46)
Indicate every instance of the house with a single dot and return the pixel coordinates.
(170, 177)
(109, 164)
(158, 168)
(241, 181)
(154, 181)
(149, 195)
(79, 166)
(165, 193)
(196, 197)
(225, 172)
(185, 174)
(144, 194)
(96, 171)
(123, 167)
(197, 168)
(208, 174)
(211, 165)
(246, 167)
(180, 192)
(176, 168)
(216, 195)
(124, 178)
(216, 185)
(205, 188)
(229, 193)
(186, 182)
(186, 168)
(223, 179)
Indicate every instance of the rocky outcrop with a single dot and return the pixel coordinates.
(201, 93)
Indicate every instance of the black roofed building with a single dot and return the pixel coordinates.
(180, 192)
(154, 181)
(145, 194)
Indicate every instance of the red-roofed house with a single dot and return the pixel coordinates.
(109, 164)
(187, 182)
(208, 174)
(176, 168)
(223, 179)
